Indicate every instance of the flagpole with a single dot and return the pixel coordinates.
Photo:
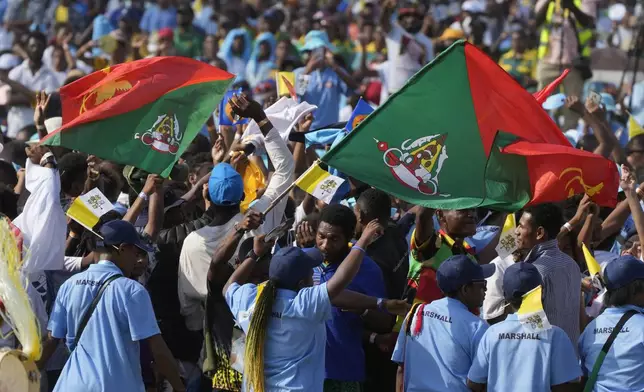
(287, 190)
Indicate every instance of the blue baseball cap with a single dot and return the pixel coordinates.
(291, 265)
(460, 270)
(117, 232)
(225, 186)
(622, 271)
(519, 279)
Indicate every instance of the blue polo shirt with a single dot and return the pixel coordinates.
(294, 348)
(155, 18)
(344, 354)
(623, 369)
(439, 357)
(511, 359)
(324, 89)
(107, 357)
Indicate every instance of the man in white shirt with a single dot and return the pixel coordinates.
(408, 49)
(199, 246)
(26, 80)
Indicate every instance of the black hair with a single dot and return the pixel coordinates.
(8, 201)
(624, 295)
(8, 174)
(546, 215)
(341, 216)
(72, 168)
(197, 161)
(219, 63)
(198, 145)
(636, 143)
(37, 35)
(30, 130)
(374, 204)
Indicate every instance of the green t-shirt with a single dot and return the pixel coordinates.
(189, 43)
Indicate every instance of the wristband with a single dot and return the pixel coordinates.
(567, 226)
(143, 196)
(263, 122)
(358, 248)
(364, 313)
(45, 157)
(372, 337)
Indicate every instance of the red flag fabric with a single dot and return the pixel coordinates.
(563, 170)
(129, 86)
(542, 95)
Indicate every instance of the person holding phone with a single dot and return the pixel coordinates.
(323, 81)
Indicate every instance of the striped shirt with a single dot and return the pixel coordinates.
(561, 286)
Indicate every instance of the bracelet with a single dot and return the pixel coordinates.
(143, 196)
(380, 302)
(263, 122)
(364, 313)
(358, 248)
(567, 226)
(47, 155)
(372, 337)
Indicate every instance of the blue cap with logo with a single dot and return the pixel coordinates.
(519, 279)
(459, 270)
(623, 271)
(119, 232)
(291, 265)
(225, 186)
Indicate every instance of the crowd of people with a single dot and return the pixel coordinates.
(200, 282)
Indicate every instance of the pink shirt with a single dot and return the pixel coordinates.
(562, 45)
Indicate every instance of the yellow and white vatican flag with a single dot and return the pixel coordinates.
(593, 266)
(531, 314)
(87, 209)
(319, 183)
(508, 239)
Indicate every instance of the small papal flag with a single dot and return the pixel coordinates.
(531, 314)
(87, 209)
(508, 239)
(591, 263)
(319, 183)
(634, 128)
(286, 84)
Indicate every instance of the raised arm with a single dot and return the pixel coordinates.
(349, 268)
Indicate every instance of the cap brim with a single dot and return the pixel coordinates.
(488, 270)
(147, 248)
(314, 257)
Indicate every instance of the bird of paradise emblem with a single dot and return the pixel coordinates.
(103, 93)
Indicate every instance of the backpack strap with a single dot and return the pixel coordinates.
(592, 379)
(92, 307)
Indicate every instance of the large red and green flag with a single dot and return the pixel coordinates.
(143, 113)
(462, 133)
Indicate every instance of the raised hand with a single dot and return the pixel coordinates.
(42, 101)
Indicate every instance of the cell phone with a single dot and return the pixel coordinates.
(279, 230)
(594, 97)
(319, 52)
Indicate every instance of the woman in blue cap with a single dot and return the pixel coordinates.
(515, 357)
(618, 367)
(284, 319)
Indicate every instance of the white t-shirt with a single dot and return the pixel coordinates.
(402, 67)
(44, 79)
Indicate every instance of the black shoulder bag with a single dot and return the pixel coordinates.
(592, 378)
(92, 306)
